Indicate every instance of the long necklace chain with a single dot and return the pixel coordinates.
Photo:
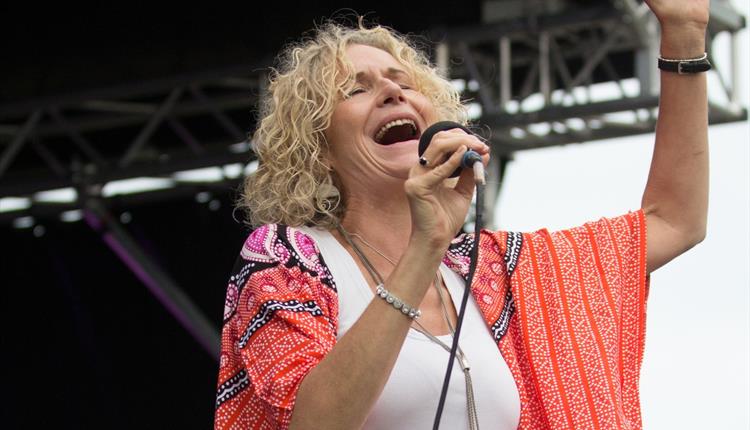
(470, 401)
(362, 239)
(437, 284)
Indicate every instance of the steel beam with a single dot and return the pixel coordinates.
(29, 182)
(545, 71)
(724, 17)
(90, 123)
(50, 159)
(19, 140)
(76, 137)
(491, 32)
(558, 113)
(158, 282)
(442, 59)
(184, 134)
(181, 191)
(636, 14)
(220, 117)
(146, 132)
(131, 91)
(593, 60)
(505, 72)
(503, 142)
(562, 50)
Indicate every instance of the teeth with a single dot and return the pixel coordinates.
(394, 123)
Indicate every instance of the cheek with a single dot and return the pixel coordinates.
(342, 137)
(347, 122)
(426, 109)
(337, 131)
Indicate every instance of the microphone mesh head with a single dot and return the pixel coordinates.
(429, 133)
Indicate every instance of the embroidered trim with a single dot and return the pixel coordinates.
(512, 250)
(500, 327)
(513, 244)
(232, 387)
(269, 308)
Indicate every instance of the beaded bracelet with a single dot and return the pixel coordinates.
(394, 301)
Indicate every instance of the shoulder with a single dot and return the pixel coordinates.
(276, 244)
(280, 320)
(274, 260)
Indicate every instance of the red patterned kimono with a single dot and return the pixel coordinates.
(567, 310)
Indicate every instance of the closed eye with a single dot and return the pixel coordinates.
(356, 91)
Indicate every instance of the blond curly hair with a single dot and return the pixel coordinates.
(293, 184)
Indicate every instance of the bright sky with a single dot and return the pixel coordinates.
(695, 372)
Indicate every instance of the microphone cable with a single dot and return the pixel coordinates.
(474, 257)
(472, 160)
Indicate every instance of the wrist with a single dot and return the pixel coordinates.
(429, 245)
(682, 42)
(414, 273)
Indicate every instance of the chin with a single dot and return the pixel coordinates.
(399, 168)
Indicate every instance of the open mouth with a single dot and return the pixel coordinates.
(399, 130)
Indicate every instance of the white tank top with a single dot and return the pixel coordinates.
(410, 397)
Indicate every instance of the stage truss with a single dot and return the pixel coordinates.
(536, 74)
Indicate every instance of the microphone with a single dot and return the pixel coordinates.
(470, 160)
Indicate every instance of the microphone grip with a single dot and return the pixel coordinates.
(472, 160)
(469, 158)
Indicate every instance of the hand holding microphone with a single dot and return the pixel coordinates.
(439, 211)
(470, 159)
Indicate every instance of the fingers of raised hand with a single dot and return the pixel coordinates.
(680, 12)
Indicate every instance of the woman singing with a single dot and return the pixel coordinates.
(342, 304)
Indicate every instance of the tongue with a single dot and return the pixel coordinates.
(399, 133)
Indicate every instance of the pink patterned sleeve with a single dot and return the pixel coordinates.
(279, 322)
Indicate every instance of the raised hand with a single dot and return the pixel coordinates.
(680, 12)
(683, 26)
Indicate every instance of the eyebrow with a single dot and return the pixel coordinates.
(391, 71)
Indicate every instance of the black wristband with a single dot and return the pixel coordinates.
(685, 67)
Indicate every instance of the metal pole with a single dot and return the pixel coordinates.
(12, 150)
(150, 127)
(646, 59)
(159, 283)
(545, 78)
(505, 74)
(734, 69)
(442, 58)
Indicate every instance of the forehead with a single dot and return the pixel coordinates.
(368, 60)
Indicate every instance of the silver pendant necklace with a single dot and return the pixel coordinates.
(471, 407)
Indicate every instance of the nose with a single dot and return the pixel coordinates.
(391, 93)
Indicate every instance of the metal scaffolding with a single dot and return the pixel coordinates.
(533, 79)
(537, 73)
(549, 72)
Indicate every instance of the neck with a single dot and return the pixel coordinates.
(381, 220)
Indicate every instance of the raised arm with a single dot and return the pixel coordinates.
(675, 200)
